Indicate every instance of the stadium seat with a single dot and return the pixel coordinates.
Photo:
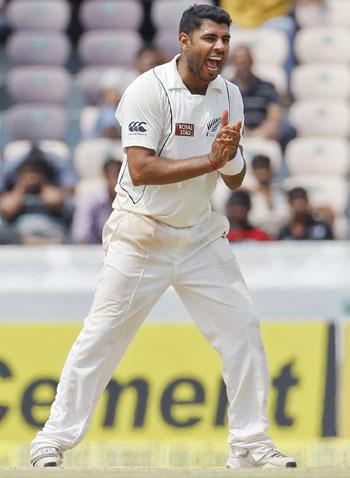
(324, 118)
(91, 79)
(14, 149)
(333, 12)
(86, 188)
(267, 45)
(323, 45)
(110, 14)
(87, 120)
(339, 13)
(38, 14)
(268, 147)
(168, 42)
(31, 84)
(36, 122)
(38, 48)
(89, 156)
(329, 156)
(114, 48)
(166, 14)
(312, 14)
(320, 80)
(323, 190)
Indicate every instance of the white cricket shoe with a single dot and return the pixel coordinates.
(272, 459)
(48, 456)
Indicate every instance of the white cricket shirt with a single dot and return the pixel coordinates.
(158, 112)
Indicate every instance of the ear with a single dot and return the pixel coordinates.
(184, 41)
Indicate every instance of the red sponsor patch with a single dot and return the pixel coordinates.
(184, 129)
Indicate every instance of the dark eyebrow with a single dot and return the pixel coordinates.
(208, 34)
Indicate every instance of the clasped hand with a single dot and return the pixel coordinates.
(225, 145)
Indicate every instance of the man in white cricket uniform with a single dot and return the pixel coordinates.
(181, 125)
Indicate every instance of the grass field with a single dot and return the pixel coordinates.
(171, 473)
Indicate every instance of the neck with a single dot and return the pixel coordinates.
(195, 85)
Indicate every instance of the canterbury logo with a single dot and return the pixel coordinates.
(137, 127)
(213, 125)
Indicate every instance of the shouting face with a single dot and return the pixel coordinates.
(205, 50)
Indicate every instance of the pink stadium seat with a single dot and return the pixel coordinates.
(92, 78)
(36, 122)
(38, 48)
(110, 14)
(109, 47)
(38, 14)
(34, 84)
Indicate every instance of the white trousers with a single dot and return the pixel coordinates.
(142, 259)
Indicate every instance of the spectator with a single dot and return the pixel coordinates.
(148, 57)
(237, 212)
(35, 208)
(269, 204)
(106, 125)
(64, 175)
(91, 215)
(263, 113)
(303, 223)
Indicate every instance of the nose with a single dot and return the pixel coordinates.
(219, 45)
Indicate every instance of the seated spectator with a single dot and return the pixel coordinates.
(106, 125)
(64, 175)
(269, 203)
(90, 215)
(35, 208)
(237, 212)
(148, 57)
(303, 223)
(263, 115)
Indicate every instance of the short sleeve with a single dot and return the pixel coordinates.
(139, 113)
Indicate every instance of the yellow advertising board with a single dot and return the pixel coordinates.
(168, 385)
(345, 381)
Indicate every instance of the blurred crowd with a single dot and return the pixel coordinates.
(48, 196)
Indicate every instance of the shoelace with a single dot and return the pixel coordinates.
(274, 454)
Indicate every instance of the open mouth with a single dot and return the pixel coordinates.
(213, 64)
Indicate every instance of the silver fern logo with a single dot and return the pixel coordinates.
(213, 126)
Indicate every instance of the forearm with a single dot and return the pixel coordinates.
(235, 181)
(158, 170)
(10, 204)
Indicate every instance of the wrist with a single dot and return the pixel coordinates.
(234, 166)
(212, 163)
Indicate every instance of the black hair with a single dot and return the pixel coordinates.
(239, 198)
(261, 161)
(36, 159)
(297, 192)
(193, 17)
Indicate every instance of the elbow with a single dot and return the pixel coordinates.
(136, 177)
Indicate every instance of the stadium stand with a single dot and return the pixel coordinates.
(59, 110)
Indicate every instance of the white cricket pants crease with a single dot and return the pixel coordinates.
(143, 258)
